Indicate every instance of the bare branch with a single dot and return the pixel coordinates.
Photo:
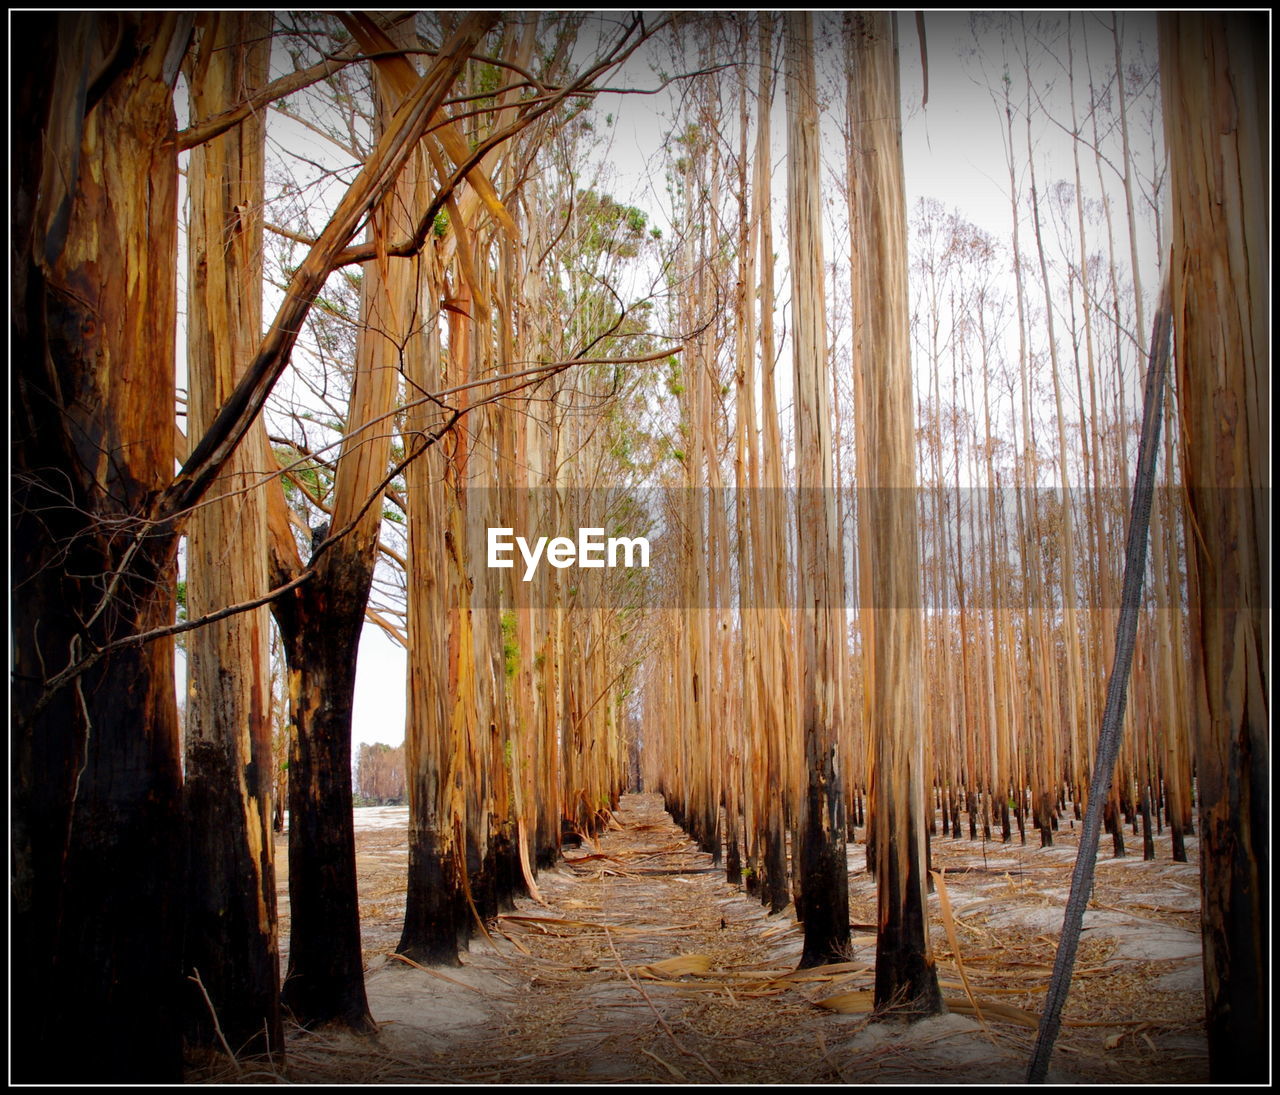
(277, 89)
(376, 177)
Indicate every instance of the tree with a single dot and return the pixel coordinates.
(380, 774)
(823, 873)
(231, 940)
(321, 623)
(906, 976)
(1213, 71)
(97, 782)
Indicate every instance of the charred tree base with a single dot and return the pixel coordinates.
(906, 984)
(826, 898)
(733, 860)
(774, 891)
(436, 913)
(237, 960)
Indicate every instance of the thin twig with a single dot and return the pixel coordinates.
(213, 1014)
(653, 1007)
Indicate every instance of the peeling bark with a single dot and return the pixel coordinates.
(1214, 74)
(96, 924)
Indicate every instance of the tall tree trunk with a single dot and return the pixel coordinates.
(779, 691)
(435, 910)
(231, 896)
(821, 846)
(905, 972)
(96, 816)
(1214, 72)
(322, 624)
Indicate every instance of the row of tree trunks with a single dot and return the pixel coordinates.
(99, 848)
(322, 621)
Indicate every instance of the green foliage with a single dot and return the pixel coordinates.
(440, 226)
(675, 376)
(510, 646)
(622, 450)
(611, 228)
(487, 79)
(316, 480)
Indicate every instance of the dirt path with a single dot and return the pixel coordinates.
(576, 991)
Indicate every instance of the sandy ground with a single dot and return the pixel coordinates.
(644, 965)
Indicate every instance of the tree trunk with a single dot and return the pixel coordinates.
(1216, 114)
(779, 673)
(322, 626)
(905, 973)
(96, 816)
(822, 867)
(231, 937)
(436, 914)
(321, 629)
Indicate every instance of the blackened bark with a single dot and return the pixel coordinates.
(435, 916)
(231, 933)
(775, 892)
(1217, 129)
(96, 781)
(906, 977)
(1044, 818)
(508, 878)
(321, 630)
(1148, 841)
(231, 937)
(733, 855)
(824, 868)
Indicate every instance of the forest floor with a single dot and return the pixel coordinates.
(645, 966)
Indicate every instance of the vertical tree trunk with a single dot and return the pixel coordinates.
(231, 896)
(905, 973)
(1216, 116)
(821, 845)
(323, 621)
(779, 690)
(96, 816)
(435, 912)
(325, 979)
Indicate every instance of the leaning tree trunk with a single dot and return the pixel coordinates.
(823, 871)
(231, 937)
(905, 971)
(96, 817)
(1214, 75)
